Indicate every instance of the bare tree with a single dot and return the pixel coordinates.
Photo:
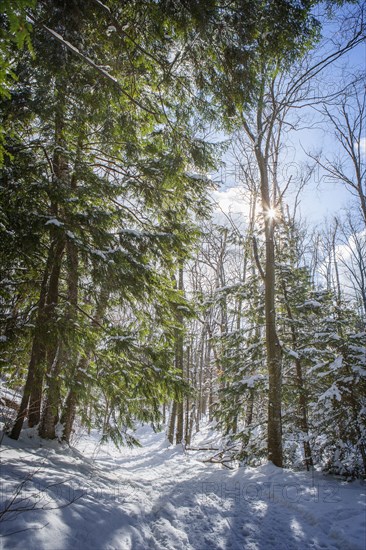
(351, 256)
(347, 121)
(273, 113)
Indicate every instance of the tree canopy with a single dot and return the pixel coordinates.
(106, 113)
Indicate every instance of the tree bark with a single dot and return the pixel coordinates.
(180, 365)
(37, 355)
(73, 396)
(54, 350)
(273, 348)
(172, 419)
(273, 354)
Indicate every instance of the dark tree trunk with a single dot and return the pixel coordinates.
(52, 401)
(250, 407)
(73, 396)
(172, 420)
(68, 414)
(273, 348)
(176, 423)
(35, 368)
(274, 355)
(188, 411)
(180, 423)
(54, 350)
(180, 364)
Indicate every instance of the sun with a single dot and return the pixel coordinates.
(271, 213)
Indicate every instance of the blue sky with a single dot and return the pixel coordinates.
(320, 200)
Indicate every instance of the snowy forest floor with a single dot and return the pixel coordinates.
(158, 497)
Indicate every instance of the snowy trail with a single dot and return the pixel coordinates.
(157, 498)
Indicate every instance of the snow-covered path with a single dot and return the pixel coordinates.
(155, 497)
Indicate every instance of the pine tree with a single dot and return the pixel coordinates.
(102, 156)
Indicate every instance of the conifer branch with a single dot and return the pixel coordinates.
(95, 66)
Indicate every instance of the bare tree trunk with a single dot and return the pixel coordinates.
(60, 175)
(73, 396)
(273, 354)
(172, 419)
(37, 353)
(180, 365)
(250, 407)
(188, 402)
(273, 348)
(54, 350)
(190, 427)
(338, 291)
(69, 410)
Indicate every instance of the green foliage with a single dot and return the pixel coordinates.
(15, 33)
(104, 172)
(15, 30)
(103, 157)
(338, 382)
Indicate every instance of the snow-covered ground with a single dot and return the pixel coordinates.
(157, 497)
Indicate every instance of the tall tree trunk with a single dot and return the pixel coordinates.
(180, 423)
(274, 355)
(32, 394)
(249, 409)
(54, 350)
(172, 420)
(37, 354)
(73, 396)
(68, 415)
(180, 365)
(273, 348)
(188, 410)
(60, 177)
(60, 353)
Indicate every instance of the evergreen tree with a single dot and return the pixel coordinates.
(111, 186)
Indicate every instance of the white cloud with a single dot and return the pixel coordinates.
(231, 200)
(362, 145)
